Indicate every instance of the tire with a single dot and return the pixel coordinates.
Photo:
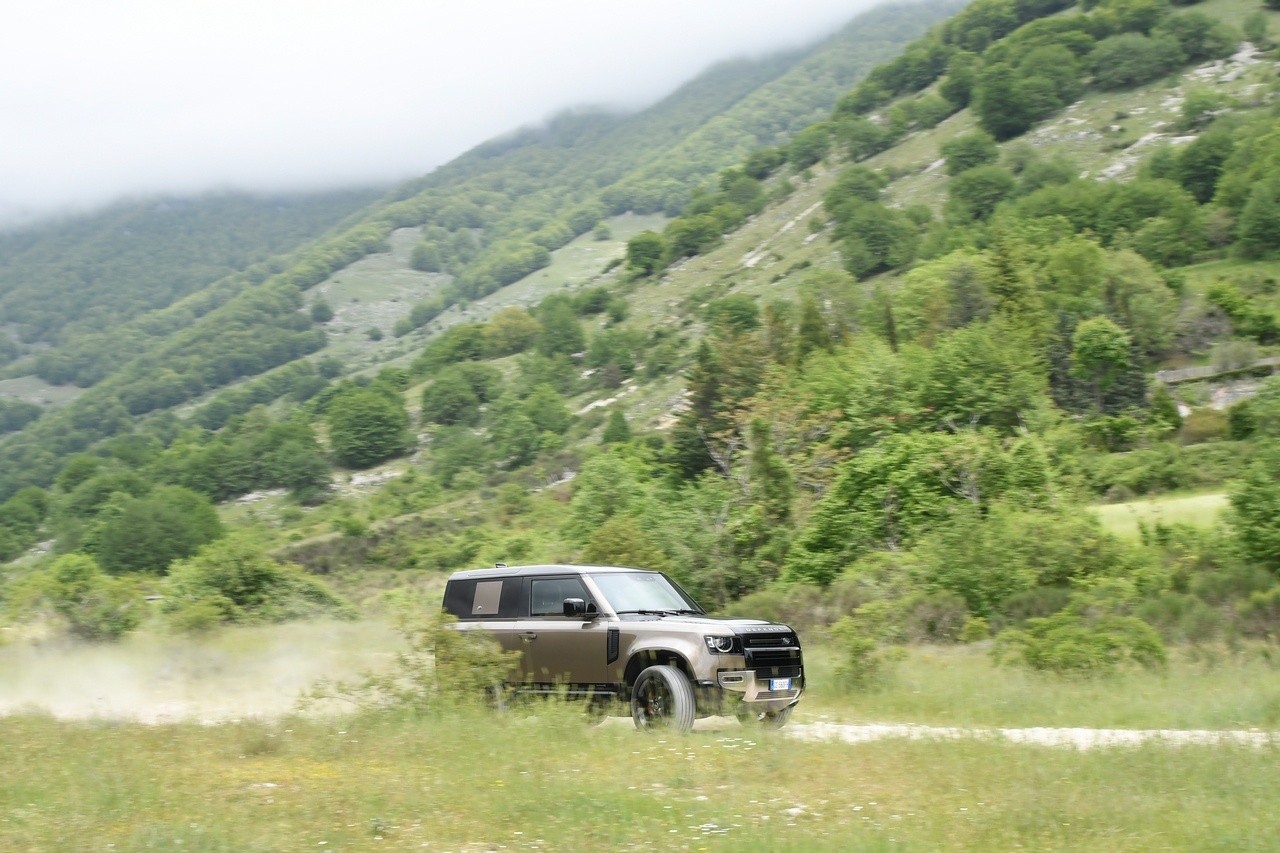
(764, 719)
(662, 699)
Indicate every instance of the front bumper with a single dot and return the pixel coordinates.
(759, 690)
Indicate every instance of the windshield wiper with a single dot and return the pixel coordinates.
(666, 612)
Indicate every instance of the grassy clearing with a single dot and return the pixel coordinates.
(1206, 688)
(1124, 519)
(549, 782)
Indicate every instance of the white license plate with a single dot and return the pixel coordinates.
(779, 683)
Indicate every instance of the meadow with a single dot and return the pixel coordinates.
(1126, 519)
(539, 777)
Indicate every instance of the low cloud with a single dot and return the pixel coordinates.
(107, 99)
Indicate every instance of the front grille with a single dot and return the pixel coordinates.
(777, 694)
(775, 663)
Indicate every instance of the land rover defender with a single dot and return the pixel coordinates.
(630, 640)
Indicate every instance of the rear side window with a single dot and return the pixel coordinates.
(487, 598)
(483, 599)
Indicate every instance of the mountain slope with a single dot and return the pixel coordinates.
(501, 204)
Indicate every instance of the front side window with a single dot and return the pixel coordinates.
(547, 595)
(643, 591)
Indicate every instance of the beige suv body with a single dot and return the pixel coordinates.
(630, 638)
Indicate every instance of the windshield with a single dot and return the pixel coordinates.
(636, 591)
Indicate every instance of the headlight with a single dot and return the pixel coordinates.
(723, 645)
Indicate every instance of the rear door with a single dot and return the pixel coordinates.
(493, 606)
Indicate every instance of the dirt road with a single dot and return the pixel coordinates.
(1076, 738)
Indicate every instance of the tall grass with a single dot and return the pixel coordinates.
(1202, 688)
(545, 781)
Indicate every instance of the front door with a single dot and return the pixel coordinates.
(563, 650)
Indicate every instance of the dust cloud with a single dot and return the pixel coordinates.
(240, 673)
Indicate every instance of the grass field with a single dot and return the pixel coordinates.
(1205, 688)
(541, 778)
(545, 781)
(1124, 519)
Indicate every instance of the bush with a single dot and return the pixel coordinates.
(861, 660)
(243, 585)
(441, 667)
(1093, 635)
(1204, 425)
(91, 605)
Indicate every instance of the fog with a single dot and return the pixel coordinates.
(102, 100)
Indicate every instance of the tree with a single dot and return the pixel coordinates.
(321, 312)
(511, 330)
(1130, 59)
(1000, 102)
(1259, 225)
(1099, 355)
(809, 146)
(1255, 28)
(148, 533)
(1255, 511)
(561, 329)
(962, 75)
(450, 400)
(367, 427)
(974, 194)
(645, 252)
(621, 541)
(968, 150)
(616, 430)
(546, 409)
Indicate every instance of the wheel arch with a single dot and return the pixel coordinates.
(645, 658)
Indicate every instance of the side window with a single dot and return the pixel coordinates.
(459, 597)
(487, 598)
(547, 595)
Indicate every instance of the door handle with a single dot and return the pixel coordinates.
(528, 635)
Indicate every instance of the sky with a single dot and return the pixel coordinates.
(101, 100)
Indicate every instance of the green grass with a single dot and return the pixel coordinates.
(1124, 519)
(548, 782)
(1207, 688)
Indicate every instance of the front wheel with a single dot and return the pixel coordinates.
(764, 719)
(662, 698)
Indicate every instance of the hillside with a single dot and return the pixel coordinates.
(869, 325)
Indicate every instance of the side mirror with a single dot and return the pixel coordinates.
(576, 607)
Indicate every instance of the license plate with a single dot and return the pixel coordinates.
(779, 683)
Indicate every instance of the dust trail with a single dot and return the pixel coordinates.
(234, 674)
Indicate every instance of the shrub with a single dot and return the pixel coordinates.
(235, 578)
(1204, 425)
(440, 667)
(1093, 635)
(91, 605)
(862, 661)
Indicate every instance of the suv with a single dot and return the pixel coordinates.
(630, 637)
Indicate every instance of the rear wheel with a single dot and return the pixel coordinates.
(662, 698)
(763, 719)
